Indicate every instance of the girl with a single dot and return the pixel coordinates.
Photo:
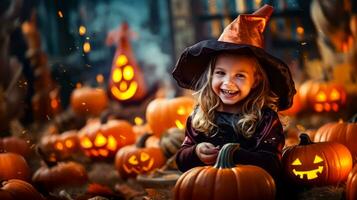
(239, 89)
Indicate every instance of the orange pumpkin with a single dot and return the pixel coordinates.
(13, 166)
(322, 96)
(162, 114)
(88, 101)
(342, 132)
(351, 185)
(58, 175)
(138, 159)
(61, 146)
(15, 145)
(126, 82)
(225, 180)
(318, 164)
(99, 140)
(16, 189)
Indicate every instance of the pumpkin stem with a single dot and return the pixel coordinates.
(142, 140)
(305, 139)
(43, 156)
(225, 156)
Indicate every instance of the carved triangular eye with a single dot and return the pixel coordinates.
(144, 156)
(133, 160)
(297, 162)
(318, 159)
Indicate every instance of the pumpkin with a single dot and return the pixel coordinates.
(225, 180)
(342, 132)
(171, 141)
(55, 175)
(126, 82)
(316, 164)
(88, 101)
(16, 189)
(61, 146)
(162, 114)
(103, 139)
(15, 145)
(351, 185)
(138, 159)
(322, 96)
(13, 166)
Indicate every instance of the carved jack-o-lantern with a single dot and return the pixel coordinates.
(126, 80)
(162, 114)
(99, 140)
(322, 96)
(138, 159)
(60, 146)
(316, 163)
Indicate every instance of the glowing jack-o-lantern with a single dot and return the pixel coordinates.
(162, 114)
(311, 163)
(138, 159)
(322, 96)
(99, 140)
(126, 81)
(60, 146)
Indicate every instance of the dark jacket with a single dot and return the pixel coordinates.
(263, 149)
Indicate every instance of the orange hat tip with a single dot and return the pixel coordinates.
(265, 11)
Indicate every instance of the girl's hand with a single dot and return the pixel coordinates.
(207, 152)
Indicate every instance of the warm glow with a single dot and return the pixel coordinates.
(94, 152)
(334, 95)
(319, 107)
(103, 152)
(60, 14)
(132, 160)
(318, 159)
(144, 156)
(69, 144)
(300, 30)
(86, 143)
(86, 47)
(181, 110)
(54, 103)
(127, 94)
(297, 162)
(100, 140)
(117, 75)
(59, 146)
(123, 86)
(321, 97)
(128, 72)
(82, 30)
(179, 124)
(100, 78)
(138, 121)
(335, 107)
(112, 143)
(78, 85)
(312, 174)
(121, 60)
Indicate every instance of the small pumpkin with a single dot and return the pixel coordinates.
(138, 159)
(15, 145)
(171, 141)
(342, 132)
(13, 166)
(162, 114)
(16, 189)
(88, 101)
(322, 96)
(61, 146)
(102, 140)
(58, 175)
(225, 180)
(316, 164)
(351, 185)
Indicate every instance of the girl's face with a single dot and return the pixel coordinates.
(232, 80)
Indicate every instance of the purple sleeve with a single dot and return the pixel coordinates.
(186, 157)
(267, 153)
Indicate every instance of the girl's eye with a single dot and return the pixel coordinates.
(240, 76)
(219, 72)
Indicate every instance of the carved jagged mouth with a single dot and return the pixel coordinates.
(312, 174)
(143, 169)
